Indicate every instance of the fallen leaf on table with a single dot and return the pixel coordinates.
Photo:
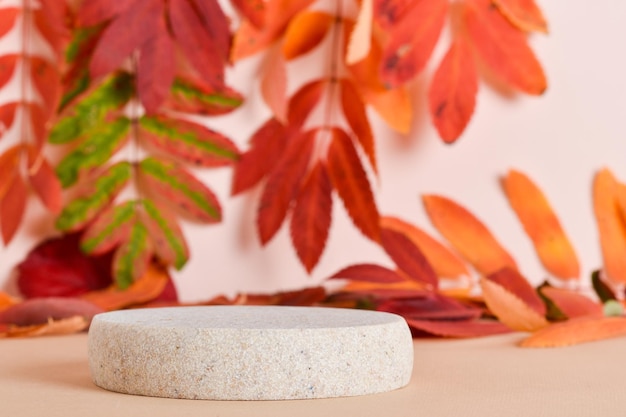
(42, 310)
(575, 331)
(572, 304)
(460, 328)
(6, 300)
(512, 281)
(68, 325)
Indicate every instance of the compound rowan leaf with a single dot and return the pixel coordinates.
(12, 207)
(570, 303)
(132, 257)
(97, 149)
(283, 184)
(443, 260)
(350, 181)
(252, 10)
(611, 225)
(188, 141)
(356, 116)
(8, 63)
(8, 17)
(525, 14)
(361, 37)
(467, 235)
(99, 192)
(408, 257)
(503, 47)
(513, 282)
(412, 40)
(461, 328)
(576, 331)
(303, 101)
(452, 92)
(93, 12)
(510, 309)
(168, 182)
(44, 182)
(192, 96)
(109, 229)
(542, 226)
(304, 32)
(166, 235)
(274, 84)
(368, 273)
(155, 69)
(311, 216)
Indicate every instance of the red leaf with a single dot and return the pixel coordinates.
(7, 68)
(216, 24)
(39, 117)
(350, 181)
(58, 268)
(525, 14)
(408, 257)
(252, 10)
(41, 310)
(503, 48)
(9, 164)
(368, 273)
(268, 143)
(412, 41)
(198, 46)
(47, 80)
(354, 110)
(51, 21)
(462, 328)
(452, 93)
(12, 208)
(516, 284)
(387, 13)
(305, 31)
(8, 17)
(274, 84)
(433, 307)
(7, 116)
(283, 183)
(93, 12)
(303, 102)
(155, 70)
(311, 217)
(572, 304)
(129, 31)
(44, 181)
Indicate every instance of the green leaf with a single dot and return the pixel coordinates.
(189, 141)
(167, 182)
(101, 144)
(92, 110)
(190, 97)
(166, 235)
(132, 257)
(109, 229)
(101, 192)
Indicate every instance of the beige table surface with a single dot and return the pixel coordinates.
(478, 377)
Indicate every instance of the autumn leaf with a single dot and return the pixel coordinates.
(467, 235)
(576, 331)
(110, 228)
(434, 306)
(42, 310)
(462, 328)
(408, 257)
(525, 14)
(361, 37)
(304, 32)
(12, 207)
(252, 10)
(8, 63)
(542, 226)
(165, 233)
(368, 273)
(155, 70)
(52, 327)
(513, 282)
(132, 257)
(452, 92)
(8, 17)
(570, 303)
(274, 84)
(194, 96)
(356, 116)
(44, 182)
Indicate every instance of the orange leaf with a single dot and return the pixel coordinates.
(305, 31)
(304, 101)
(44, 181)
(7, 116)
(611, 225)
(516, 284)
(12, 208)
(6, 300)
(542, 226)
(401, 289)
(510, 309)
(525, 14)
(8, 17)
(53, 327)
(408, 257)
(47, 80)
(361, 37)
(356, 116)
(9, 162)
(459, 328)
(467, 235)
(503, 47)
(350, 181)
(311, 217)
(145, 289)
(253, 10)
(452, 93)
(444, 262)
(274, 85)
(7, 68)
(571, 303)
(575, 331)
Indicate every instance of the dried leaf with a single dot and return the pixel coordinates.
(452, 92)
(467, 235)
(12, 208)
(304, 32)
(408, 257)
(368, 273)
(350, 181)
(361, 36)
(570, 303)
(356, 116)
(510, 309)
(311, 217)
(542, 225)
(503, 47)
(576, 331)
(525, 14)
(443, 260)
(463, 328)
(611, 225)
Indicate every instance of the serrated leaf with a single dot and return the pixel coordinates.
(110, 228)
(132, 257)
(7, 68)
(408, 257)
(217, 24)
(93, 12)
(44, 182)
(368, 273)
(513, 282)
(570, 303)
(91, 111)
(165, 234)
(194, 97)
(8, 17)
(311, 217)
(356, 116)
(463, 328)
(361, 36)
(350, 181)
(155, 69)
(252, 10)
(97, 149)
(467, 234)
(304, 32)
(283, 183)
(503, 47)
(576, 331)
(12, 208)
(412, 40)
(188, 141)
(167, 182)
(303, 102)
(525, 14)
(452, 91)
(46, 79)
(36, 130)
(101, 191)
